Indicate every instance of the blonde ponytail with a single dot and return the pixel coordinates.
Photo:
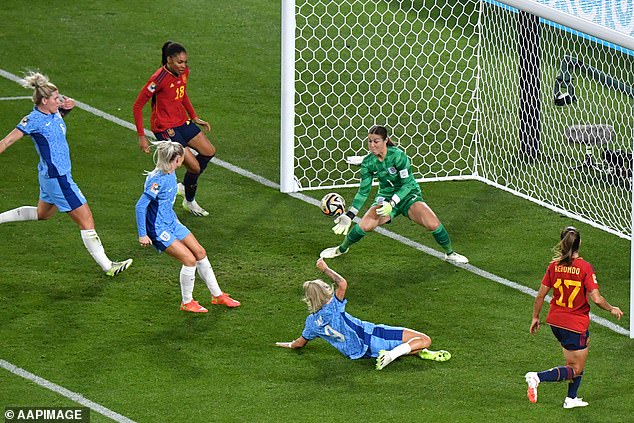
(165, 152)
(41, 86)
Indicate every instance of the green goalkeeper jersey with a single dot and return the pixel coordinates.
(394, 174)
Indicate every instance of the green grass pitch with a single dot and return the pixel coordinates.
(123, 343)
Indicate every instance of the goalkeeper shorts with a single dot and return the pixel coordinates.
(403, 206)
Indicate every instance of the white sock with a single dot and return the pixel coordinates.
(19, 214)
(400, 350)
(188, 275)
(94, 247)
(206, 273)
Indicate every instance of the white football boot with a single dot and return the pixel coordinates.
(456, 258)
(332, 252)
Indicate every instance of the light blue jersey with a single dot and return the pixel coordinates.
(353, 337)
(155, 216)
(48, 132)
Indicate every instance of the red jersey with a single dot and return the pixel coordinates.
(171, 106)
(569, 308)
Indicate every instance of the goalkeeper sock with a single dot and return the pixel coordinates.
(556, 374)
(206, 273)
(19, 214)
(355, 235)
(94, 247)
(187, 276)
(442, 238)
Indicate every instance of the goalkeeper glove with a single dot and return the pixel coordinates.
(343, 223)
(386, 208)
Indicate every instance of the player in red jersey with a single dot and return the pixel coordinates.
(172, 117)
(573, 281)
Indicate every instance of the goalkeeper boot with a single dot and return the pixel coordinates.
(456, 258)
(225, 299)
(193, 307)
(180, 189)
(533, 382)
(574, 402)
(384, 358)
(332, 252)
(194, 208)
(118, 267)
(441, 355)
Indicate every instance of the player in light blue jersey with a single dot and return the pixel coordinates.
(158, 225)
(353, 337)
(45, 125)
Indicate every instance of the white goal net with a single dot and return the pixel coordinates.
(556, 119)
(475, 89)
(396, 63)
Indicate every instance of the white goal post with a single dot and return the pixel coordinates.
(513, 93)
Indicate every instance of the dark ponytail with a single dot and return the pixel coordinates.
(568, 245)
(382, 132)
(170, 49)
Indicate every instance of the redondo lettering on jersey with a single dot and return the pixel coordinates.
(568, 269)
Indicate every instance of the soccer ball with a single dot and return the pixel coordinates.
(333, 204)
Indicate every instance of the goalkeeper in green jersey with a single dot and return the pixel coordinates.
(398, 193)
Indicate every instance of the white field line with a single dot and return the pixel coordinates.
(78, 398)
(468, 267)
(24, 97)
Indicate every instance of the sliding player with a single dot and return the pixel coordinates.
(352, 337)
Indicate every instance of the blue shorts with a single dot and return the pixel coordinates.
(384, 338)
(181, 134)
(164, 237)
(570, 340)
(61, 191)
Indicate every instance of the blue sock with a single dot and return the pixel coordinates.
(191, 179)
(191, 184)
(556, 374)
(573, 386)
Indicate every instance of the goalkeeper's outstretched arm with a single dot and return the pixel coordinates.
(365, 185)
(343, 222)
